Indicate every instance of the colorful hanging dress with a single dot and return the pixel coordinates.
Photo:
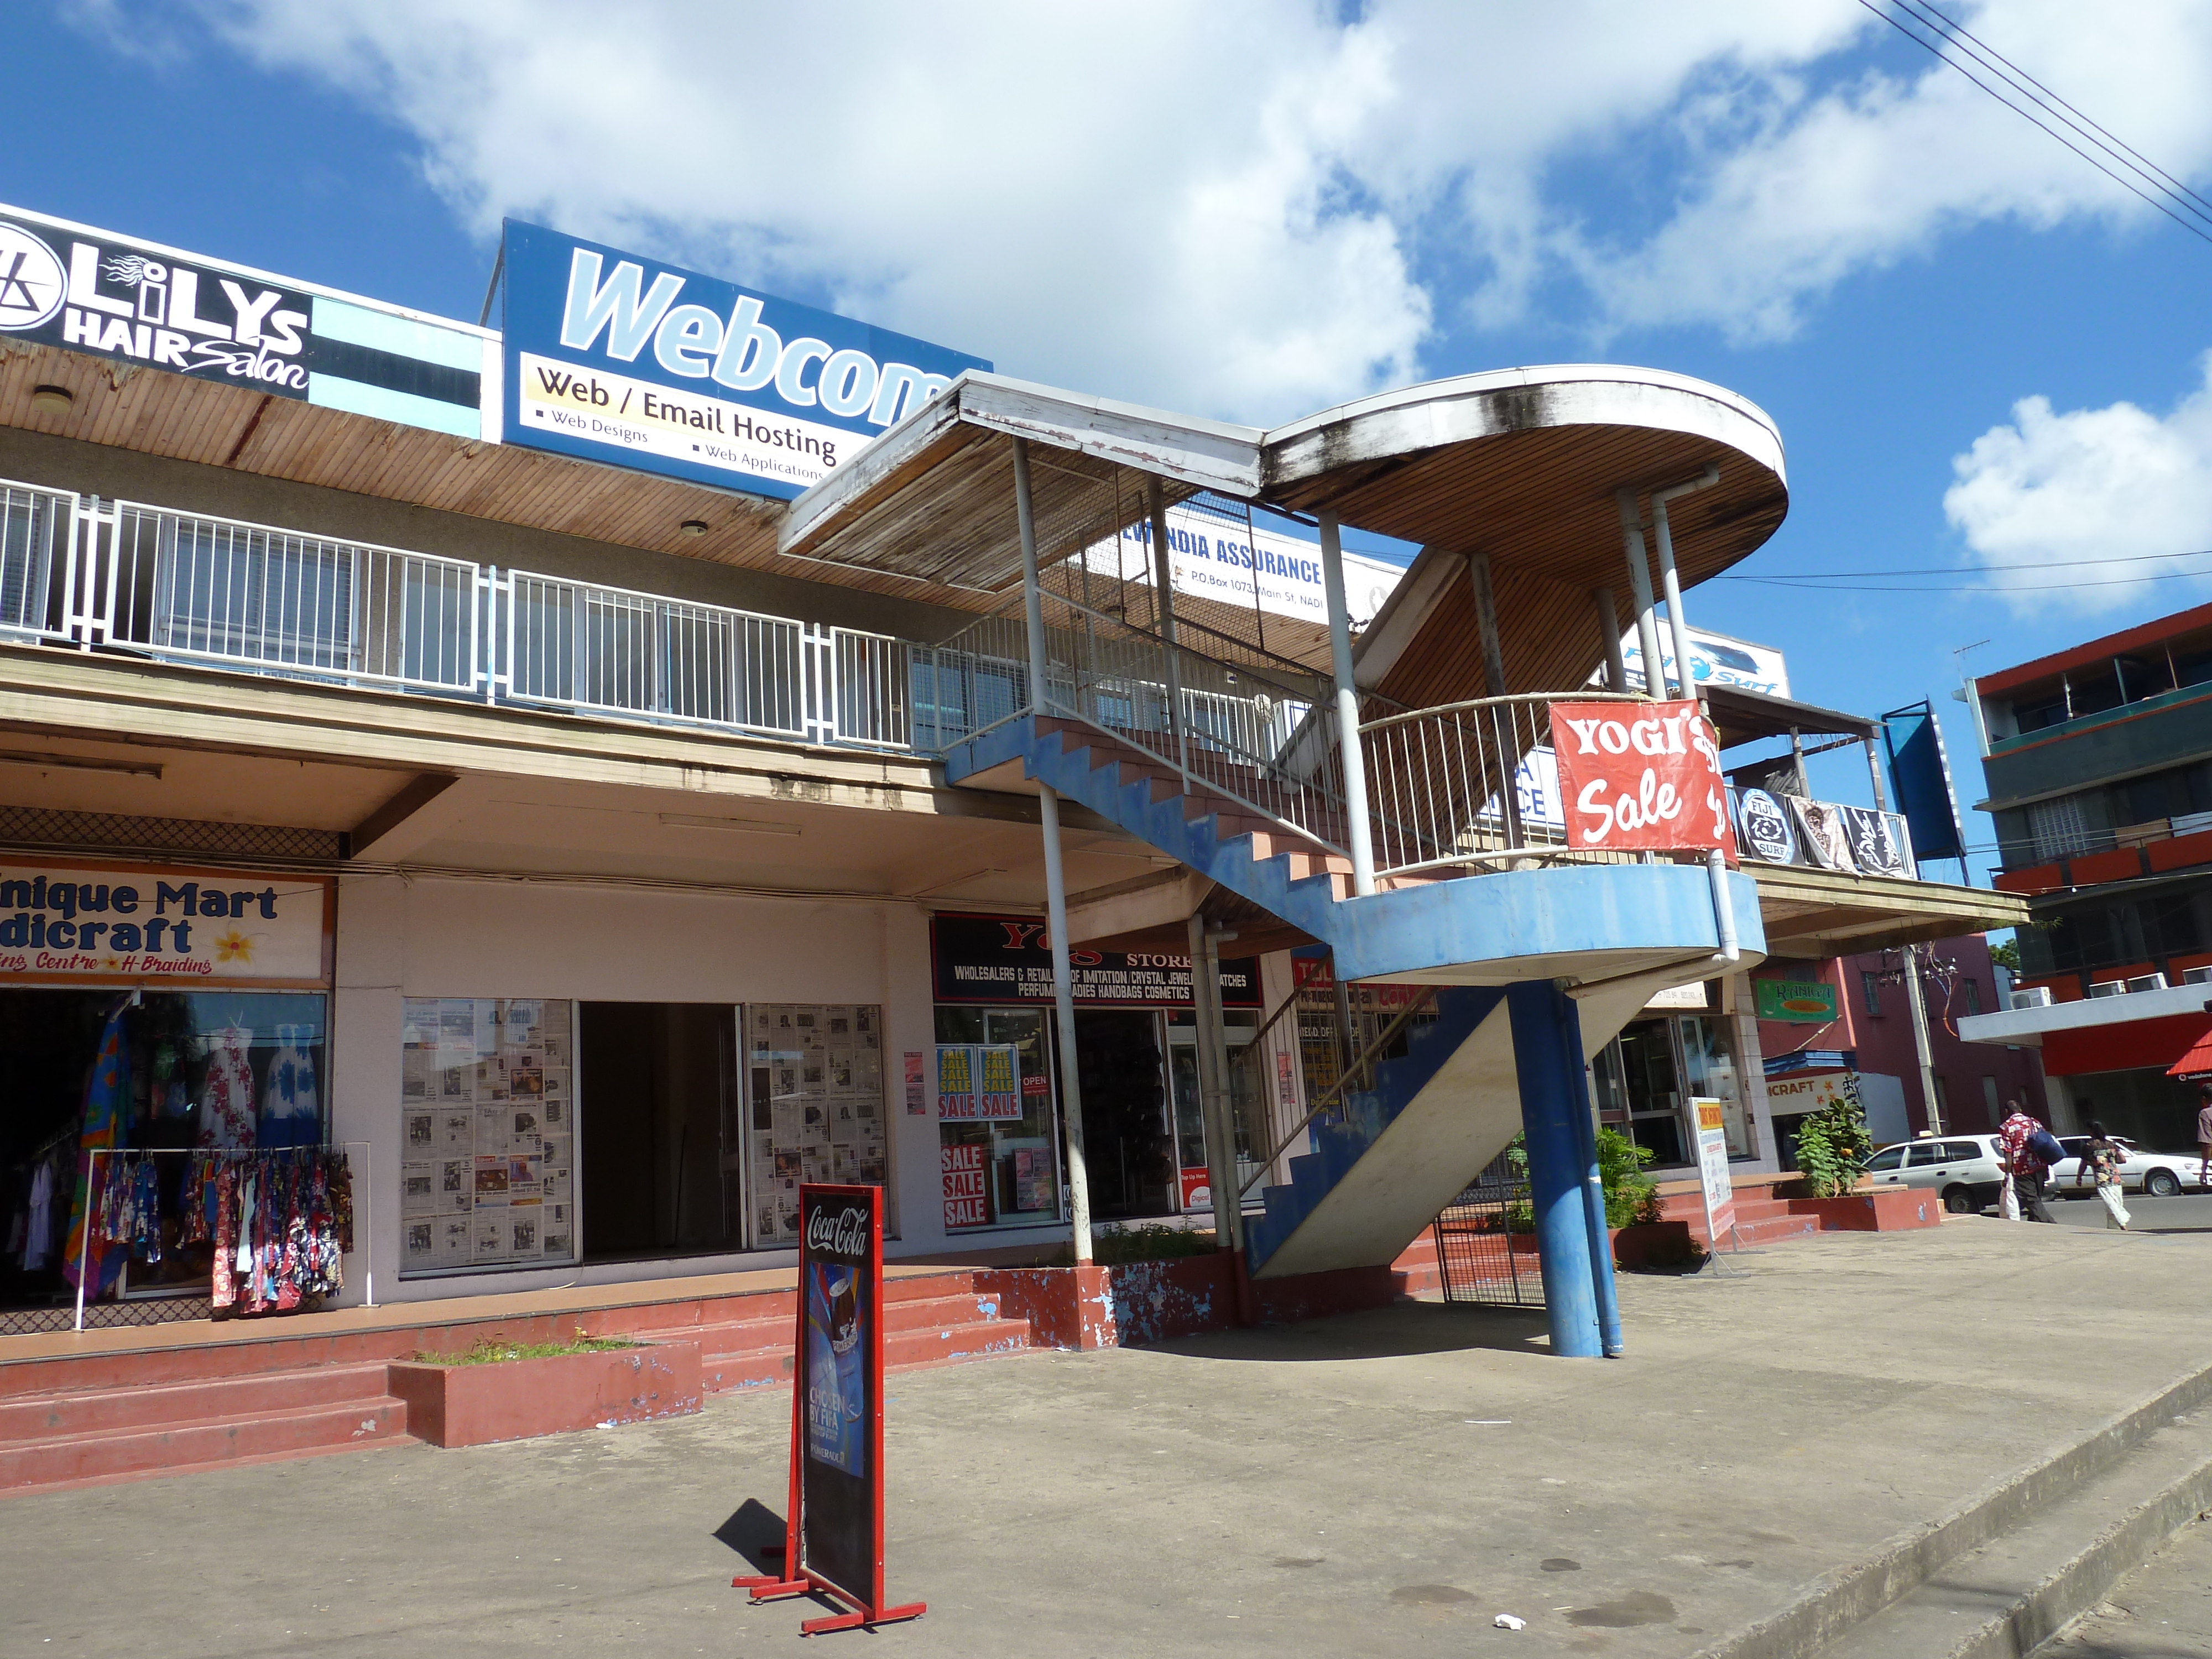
(107, 1118)
(226, 1096)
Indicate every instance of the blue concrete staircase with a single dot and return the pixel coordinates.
(1342, 1139)
(1374, 1179)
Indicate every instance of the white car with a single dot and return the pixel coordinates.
(1963, 1169)
(2154, 1175)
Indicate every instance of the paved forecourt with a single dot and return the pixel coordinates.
(1381, 1483)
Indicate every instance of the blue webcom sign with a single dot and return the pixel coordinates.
(619, 358)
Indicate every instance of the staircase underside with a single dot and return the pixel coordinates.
(1381, 1168)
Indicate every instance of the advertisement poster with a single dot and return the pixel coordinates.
(1713, 1169)
(966, 1203)
(641, 364)
(1641, 777)
(917, 1083)
(841, 1371)
(955, 1082)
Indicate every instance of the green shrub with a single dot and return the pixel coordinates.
(1152, 1243)
(1630, 1196)
(1834, 1145)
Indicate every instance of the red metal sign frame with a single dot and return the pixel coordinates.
(798, 1578)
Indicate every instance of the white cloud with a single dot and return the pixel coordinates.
(2084, 489)
(1249, 208)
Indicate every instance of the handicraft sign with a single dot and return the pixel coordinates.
(1638, 777)
(137, 924)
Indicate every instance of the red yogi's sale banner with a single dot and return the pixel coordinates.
(1641, 776)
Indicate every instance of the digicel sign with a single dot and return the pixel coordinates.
(1641, 777)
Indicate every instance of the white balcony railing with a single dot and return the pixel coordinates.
(191, 587)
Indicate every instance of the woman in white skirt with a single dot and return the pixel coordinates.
(2102, 1158)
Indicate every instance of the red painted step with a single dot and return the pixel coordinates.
(346, 1425)
(104, 1411)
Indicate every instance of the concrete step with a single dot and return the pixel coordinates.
(64, 1414)
(345, 1426)
(2000, 1574)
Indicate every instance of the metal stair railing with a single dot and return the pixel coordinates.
(1444, 784)
(1231, 729)
(1366, 1057)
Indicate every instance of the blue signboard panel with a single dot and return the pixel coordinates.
(623, 359)
(1920, 772)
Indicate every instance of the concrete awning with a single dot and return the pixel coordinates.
(1815, 914)
(1520, 463)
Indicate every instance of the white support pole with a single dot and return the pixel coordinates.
(1055, 879)
(1206, 1019)
(1359, 832)
(1671, 586)
(1639, 587)
(1164, 585)
(1609, 622)
(1671, 583)
(1063, 1002)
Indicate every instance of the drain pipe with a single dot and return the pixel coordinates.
(1723, 908)
(1670, 584)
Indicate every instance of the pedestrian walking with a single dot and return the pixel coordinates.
(2022, 1197)
(2102, 1159)
(2204, 1134)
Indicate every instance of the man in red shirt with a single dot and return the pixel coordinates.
(2024, 1168)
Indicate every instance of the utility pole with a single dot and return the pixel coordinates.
(1917, 1007)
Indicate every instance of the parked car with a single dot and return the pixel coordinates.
(1964, 1168)
(2154, 1175)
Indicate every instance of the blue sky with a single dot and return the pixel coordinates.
(1262, 211)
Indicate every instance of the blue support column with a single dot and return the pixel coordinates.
(1552, 1097)
(1600, 1236)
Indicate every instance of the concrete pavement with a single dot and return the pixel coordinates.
(1380, 1484)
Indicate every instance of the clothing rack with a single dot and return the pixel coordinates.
(359, 1172)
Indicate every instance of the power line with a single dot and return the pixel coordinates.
(2009, 587)
(2050, 98)
(2196, 224)
(1979, 569)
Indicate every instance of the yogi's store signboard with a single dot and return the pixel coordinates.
(1641, 776)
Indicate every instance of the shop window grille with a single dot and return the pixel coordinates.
(1476, 1236)
(33, 826)
(37, 532)
(106, 1315)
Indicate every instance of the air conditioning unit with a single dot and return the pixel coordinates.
(2147, 983)
(2196, 975)
(2110, 988)
(2036, 996)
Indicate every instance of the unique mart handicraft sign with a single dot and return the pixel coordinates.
(1641, 777)
(834, 1538)
(131, 924)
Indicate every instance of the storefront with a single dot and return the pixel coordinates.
(1000, 1153)
(166, 1139)
(1647, 1076)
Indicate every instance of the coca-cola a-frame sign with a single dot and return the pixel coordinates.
(833, 1537)
(1641, 777)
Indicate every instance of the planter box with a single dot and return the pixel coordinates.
(518, 1399)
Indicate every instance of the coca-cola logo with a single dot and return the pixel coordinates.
(838, 1232)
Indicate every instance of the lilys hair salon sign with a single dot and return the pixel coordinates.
(131, 924)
